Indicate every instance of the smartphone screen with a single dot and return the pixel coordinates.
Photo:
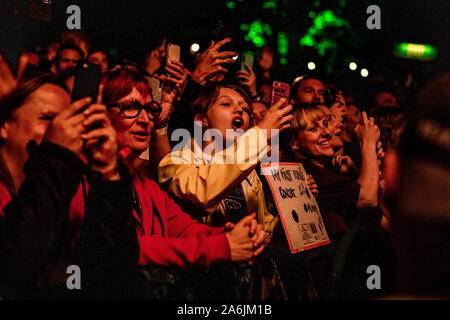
(280, 90)
(87, 79)
(248, 59)
(173, 52)
(224, 31)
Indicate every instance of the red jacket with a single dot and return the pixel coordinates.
(171, 238)
(177, 239)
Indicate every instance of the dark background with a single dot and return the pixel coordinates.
(129, 29)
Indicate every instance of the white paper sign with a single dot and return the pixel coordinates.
(298, 209)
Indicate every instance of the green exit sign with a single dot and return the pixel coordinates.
(415, 51)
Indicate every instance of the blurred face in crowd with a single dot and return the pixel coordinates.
(68, 58)
(155, 58)
(266, 92)
(336, 128)
(100, 59)
(30, 120)
(311, 91)
(229, 111)
(259, 110)
(134, 133)
(314, 142)
(340, 111)
(353, 118)
(386, 99)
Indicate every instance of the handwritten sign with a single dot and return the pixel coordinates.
(298, 209)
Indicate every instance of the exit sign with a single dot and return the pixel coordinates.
(415, 51)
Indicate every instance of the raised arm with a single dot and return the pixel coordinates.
(368, 135)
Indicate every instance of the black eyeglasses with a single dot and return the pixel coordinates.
(132, 109)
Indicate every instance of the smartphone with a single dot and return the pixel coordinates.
(87, 79)
(224, 31)
(249, 59)
(280, 90)
(173, 52)
(157, 88)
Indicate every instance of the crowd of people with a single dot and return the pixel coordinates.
(103, 183)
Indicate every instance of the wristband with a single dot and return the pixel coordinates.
(160, 131)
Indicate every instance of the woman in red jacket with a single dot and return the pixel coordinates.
(167, 236)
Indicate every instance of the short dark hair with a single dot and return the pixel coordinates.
(68, 46)
(297, 82)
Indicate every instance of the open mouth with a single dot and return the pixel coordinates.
(237, 123)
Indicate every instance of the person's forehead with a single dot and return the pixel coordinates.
(313, 83)
(48, 98)
(229, 93)
(70, 52)
(136, 95)
(98, 54)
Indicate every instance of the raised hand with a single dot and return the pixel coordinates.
(100, 142)
(212, 62)
(266, 60)
(7, 80)
(67, 126)
(367, 131)
(248, 79)
(100, 137)
(277, 117)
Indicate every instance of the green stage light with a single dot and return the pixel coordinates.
(271, 4)
(230, 4)
(415, 51)
(283, 43)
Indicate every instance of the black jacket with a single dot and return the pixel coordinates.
(34, 250)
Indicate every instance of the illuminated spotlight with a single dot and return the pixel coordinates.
(311, 65)
(364, 73)
(352, 66)
(195, 47)
(235, 57)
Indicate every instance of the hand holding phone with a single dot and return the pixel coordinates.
(280, 90)
(173, 53)
(247, 59)
(87, 80)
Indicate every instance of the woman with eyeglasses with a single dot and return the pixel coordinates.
(167, 236)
